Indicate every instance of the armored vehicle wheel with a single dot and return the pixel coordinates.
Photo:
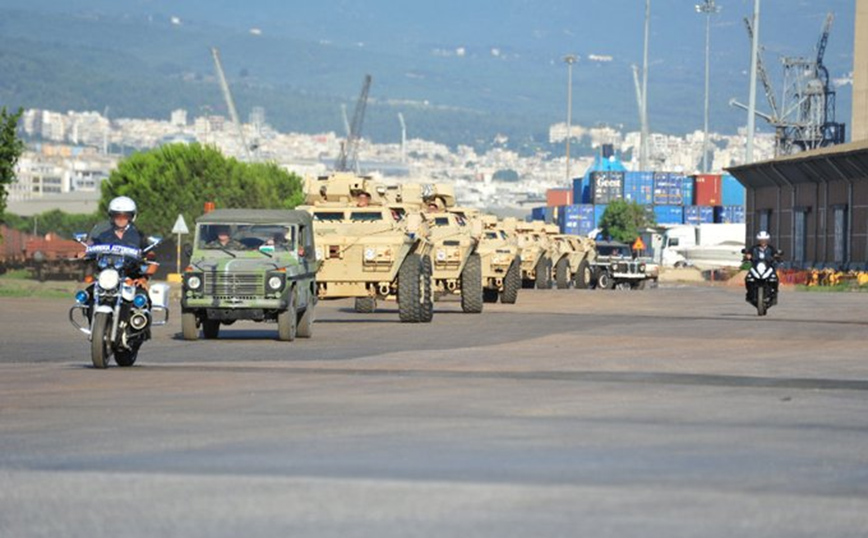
(365, 305)
(287, 321)
(188, 326)
(305, 321)
(605, 280)
(543, 274)
(584, 276)
(100, 350)
(126, 357)
(490, 295)
(471, 285)
(411, 300)
(211, 329)
(427, 290)
(562, 274)
(512, 282)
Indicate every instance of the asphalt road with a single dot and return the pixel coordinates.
(666, 413)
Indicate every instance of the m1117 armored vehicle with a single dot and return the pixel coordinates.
(501, 262)
(572, 257)
(533, 241)
(367, 250)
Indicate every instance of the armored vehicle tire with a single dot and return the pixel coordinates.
(605, 280)
(304, 329)
(287, 321)
(411, 289)
(562, 274)
(365, 305)
(126, 357)
(490, 295)
(512, 282)
(543, 274)
(471, 285)
(211, 329)
(100, 351)
(427, 290)
(584, 276)
(188, 326)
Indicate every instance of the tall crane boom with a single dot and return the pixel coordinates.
(350, 148)
(824, 38)
(763, 74)
(230, 102)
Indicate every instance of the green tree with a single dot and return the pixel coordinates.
(624, 221)
(11, 148)
(179, 179)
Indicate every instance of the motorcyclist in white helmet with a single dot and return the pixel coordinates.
(763, 251)
(120, 229)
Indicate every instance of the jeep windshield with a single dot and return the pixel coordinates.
(614, 251)
(242, 237)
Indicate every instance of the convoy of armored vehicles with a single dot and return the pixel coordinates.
(359, 238)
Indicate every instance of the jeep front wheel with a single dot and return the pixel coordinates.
(188, 326)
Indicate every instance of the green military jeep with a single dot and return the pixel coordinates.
(251, 264)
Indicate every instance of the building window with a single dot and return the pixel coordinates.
(840, 214)
(765, 220)
(800, 219)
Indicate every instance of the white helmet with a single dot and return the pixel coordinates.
(122, 204)
(763, 236)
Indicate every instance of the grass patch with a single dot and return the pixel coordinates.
(11, 287)
(17, 274)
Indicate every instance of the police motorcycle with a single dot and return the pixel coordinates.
(118, 309)
(762, 281)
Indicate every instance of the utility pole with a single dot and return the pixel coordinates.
(751, 107)
(569, 59)
(708, 8)
(643, 150)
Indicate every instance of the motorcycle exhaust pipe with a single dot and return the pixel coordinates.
(139, 320)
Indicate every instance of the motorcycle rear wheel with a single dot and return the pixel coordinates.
(100, 348)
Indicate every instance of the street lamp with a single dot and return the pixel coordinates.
(708, 8)
(569, 59)
(751, 107)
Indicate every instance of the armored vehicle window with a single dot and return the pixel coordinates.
(328, 216)
(366, 216)
(491, 235)
(441, 221)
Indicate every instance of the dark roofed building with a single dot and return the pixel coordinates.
(814, 205)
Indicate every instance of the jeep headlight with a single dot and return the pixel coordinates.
(194, 282)
(642, 267)
(108, 279)
(275, 282)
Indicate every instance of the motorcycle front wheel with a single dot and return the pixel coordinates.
(761, 301)
(100, 347)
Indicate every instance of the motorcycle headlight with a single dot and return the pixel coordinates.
(81, 296)
(118, 263)
(761, 267)
(108, 279)
(194, 282)
(102, 263)
(275, 282)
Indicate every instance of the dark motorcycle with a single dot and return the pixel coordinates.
(116, 311)
(762, 283)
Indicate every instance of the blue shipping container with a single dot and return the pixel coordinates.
(669, 214)
(698, 214)
(730, 214)
(639, 187)
(688, 192)
(538, 213)
(577, 219)
(582, 190)
(599, 209)
(607, 187)
(732, 192)
(668, 188)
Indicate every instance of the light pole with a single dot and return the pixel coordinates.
(709, 8)
(751, 107)
(643, 141)
(569, 59)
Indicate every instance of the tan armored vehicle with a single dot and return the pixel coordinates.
(533, 241)
(457, 267)
(367, 250)
(501, 262)
(572, 257)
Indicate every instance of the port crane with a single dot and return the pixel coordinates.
(805, 118)
(230, 104)
(348, 160)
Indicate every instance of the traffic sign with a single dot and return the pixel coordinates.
(180, 226)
